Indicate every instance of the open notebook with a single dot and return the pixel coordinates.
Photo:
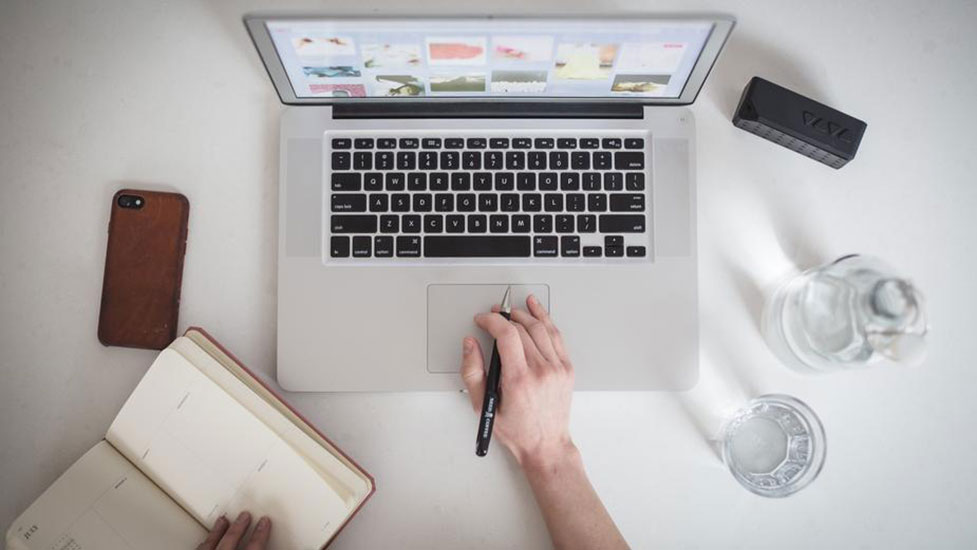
(200, 437)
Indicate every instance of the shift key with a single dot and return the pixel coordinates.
(353, 224)
(621, 223)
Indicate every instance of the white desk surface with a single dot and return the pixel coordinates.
(99, 94)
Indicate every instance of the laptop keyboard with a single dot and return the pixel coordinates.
(534, 196)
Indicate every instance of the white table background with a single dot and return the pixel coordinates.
(95, 95)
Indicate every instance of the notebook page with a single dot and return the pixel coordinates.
(104, 503)
(216, 458)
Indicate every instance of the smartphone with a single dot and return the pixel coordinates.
(143, 269)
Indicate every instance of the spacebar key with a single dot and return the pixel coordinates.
(477, 247)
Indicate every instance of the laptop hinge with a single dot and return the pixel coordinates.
(487, 109)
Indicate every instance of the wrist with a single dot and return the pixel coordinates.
(548, 460)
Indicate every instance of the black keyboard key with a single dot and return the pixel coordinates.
(408, 247)
(454, 143)
(383, 247)
(586, 223)
(553, 202)
(477, 223)
(564, 223)
(461, 181)
(566, 143)
(466, 202)
(548, 181)
(395, 181)
(433, 223)
(422, 202)
(521, 223)
(589, 143)
(340, 161)
(363, 143)
(444, 202)
(345, 181)
(580, 160)
(559, 160)
(532, 202)
(522, 143)
(576, 202)
(406, 160)
(597, 202)
(504, 181)
(614, 251)
(339, 247)
(417, 181)
(494, 160)
(386, 143)
(400, 202)
(636, 251)
(476, 143)
(629, 160)
(570, 181)
(384, 160)
(363, 160)
(592, 251)
(477, 247)
(613, 181)
(634, 181)
(362, 247)
(622, 223)
(610, 143)
(499, 143)
(622, 202)
(613, 240)
(545, 246)
(373, 181)
(410, 223)
(570, 246)
(526, 181)
(431, 143)
(509, 202)
(536, 160)
(427, 160)
(409, 143)
(543, 223)
(515, 160)
(449, 160)
(499, 223)
(543, 143)
(379, 202)
(591, 181)
(438, 181)
(602, 160)
(488, 202)
(390, 224)
(353, 223)
(348, 203)
(634, 143)
(341, 143)
(471, 160)
(482, 181)
(455, 223)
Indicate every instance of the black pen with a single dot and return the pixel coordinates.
(491, 401)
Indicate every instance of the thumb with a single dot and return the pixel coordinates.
(473, 371)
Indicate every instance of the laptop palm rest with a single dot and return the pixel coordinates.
(450, 309)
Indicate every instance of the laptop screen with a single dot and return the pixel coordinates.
(450, 58)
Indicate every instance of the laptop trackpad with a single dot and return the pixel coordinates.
(450, 309)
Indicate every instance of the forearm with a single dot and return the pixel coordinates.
(574, 514)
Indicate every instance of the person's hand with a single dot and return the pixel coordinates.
(227, 536)
(536, 385)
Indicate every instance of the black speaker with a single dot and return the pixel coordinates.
(798, 123)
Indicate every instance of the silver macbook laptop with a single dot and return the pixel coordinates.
(426, 164)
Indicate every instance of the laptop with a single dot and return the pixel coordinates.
(429, 163)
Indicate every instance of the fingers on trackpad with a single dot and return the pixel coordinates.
(450, 309)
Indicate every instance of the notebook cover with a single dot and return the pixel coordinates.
(373, 485)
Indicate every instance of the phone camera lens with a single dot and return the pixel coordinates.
(130, 201)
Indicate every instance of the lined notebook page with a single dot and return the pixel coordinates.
(216, 458)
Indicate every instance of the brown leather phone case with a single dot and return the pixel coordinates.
(143, 269)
